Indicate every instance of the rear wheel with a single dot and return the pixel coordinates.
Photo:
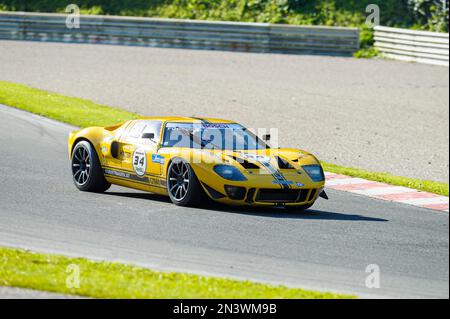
(182, 184)
(86, 169)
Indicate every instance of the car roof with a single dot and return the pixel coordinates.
(180, 119)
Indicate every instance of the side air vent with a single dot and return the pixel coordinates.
(283, 164)
(244, 163)
(115, 149)
(214, 194)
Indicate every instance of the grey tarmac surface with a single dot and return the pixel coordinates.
(19, 293)
(327, 248)
(379, 115)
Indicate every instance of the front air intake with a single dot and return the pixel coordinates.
(282, 195)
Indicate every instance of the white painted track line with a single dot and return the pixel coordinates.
(387, 192)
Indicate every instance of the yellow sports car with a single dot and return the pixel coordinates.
(193, 159)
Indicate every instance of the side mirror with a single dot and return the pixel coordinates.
(266, 137)
(149, 136)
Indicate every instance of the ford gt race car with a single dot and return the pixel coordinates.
(192, 159)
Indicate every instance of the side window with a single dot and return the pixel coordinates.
(141, 127)
(136, 130)
(152, 127)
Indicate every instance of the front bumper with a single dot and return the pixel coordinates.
(261, 189)
(254, 196)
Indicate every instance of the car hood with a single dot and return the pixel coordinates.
(256, 159)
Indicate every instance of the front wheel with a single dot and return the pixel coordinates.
(86, 169)
(182, 184)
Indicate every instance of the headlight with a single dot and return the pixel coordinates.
(315, 172)
(229, 172)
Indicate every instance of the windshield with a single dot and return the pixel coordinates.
(220, 136)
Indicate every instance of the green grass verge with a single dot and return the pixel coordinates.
(49, 272)
(75, 111)
(84, 113)
(423, 185)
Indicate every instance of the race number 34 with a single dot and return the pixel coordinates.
(139, 162)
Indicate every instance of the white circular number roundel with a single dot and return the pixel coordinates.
(139, 162)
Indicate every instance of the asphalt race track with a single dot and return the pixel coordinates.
(326, 248)
(19, 293)
(380, 115)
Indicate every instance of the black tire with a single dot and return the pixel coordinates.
(87, 172)
(183, 185)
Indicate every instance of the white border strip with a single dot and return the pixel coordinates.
(387, 192)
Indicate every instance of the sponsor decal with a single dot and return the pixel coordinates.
(157, 182)
(257, 158)
(214, 125)
(153, 181)
(117, 173)
(139, 162)
(300, 185)
(158, 159)
(126, 175)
